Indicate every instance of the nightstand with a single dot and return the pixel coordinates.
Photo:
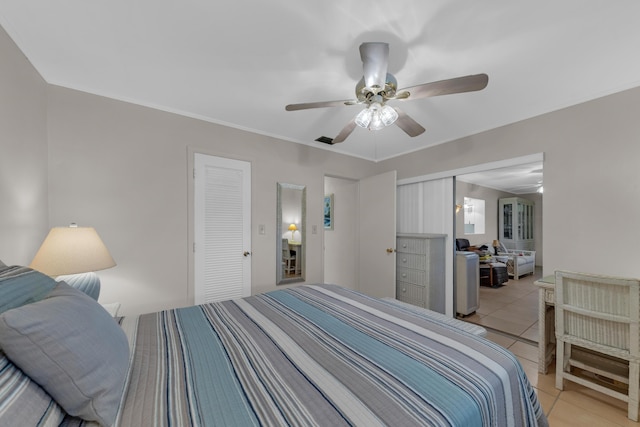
(112, 308)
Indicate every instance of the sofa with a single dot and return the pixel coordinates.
(519, 262)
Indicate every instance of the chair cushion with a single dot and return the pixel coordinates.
(524, 260)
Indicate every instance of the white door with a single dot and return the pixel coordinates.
(222, 228)
(377, 263)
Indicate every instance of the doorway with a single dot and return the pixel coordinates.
(341, 235)
(222, 228)
(538, 157)
(360, 237)
(513, 307)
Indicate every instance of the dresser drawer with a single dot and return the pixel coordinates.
(412, 294)
(418, 262)
(408, 275)
(412, 246)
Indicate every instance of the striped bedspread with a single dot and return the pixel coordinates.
(318, 355)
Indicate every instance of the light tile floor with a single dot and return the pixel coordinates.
(511, 308)
(511, 311)
(575, 405)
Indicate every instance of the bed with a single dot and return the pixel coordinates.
(308, 355)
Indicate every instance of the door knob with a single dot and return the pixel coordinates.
(389, 250)
(246, 253)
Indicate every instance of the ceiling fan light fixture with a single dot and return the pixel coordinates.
(388, 115)
(364, 118)
(376, 116)
(376, 121)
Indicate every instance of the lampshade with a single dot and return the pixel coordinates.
(292, 227)
(67, 251)
(495, 243)
(71, 250)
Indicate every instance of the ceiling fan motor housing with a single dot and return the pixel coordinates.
(364, 93)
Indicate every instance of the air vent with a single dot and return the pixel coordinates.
(325, 140)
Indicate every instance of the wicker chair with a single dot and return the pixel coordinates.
(599, 315)
(288, 259)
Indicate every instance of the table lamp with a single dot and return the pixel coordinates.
(73, 254)
(495, 245)
(293, 229)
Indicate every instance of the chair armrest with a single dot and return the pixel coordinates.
(515, 252)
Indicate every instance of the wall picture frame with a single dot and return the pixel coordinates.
(328, 212)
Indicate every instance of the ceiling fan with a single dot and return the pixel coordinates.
(377, 87)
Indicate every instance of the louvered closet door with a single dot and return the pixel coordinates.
(222, 228)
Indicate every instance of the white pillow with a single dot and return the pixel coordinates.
(73, 348)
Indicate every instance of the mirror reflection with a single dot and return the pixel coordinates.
(290, 234)
(473, 216)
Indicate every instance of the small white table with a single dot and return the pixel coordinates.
(546, 321)
(112, 308)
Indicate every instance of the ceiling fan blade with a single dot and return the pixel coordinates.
(445, 87)
(407, 124)
(375, 58)
(345, 132)
(323, 104)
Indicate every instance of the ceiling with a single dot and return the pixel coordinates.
(239, 63)
(520, 179)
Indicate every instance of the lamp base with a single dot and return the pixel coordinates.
(89, 283)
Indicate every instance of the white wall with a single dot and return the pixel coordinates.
(23, 156)
(591, 189)
(538, 235)
(124, 169)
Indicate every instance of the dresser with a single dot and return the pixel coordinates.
(420, 270)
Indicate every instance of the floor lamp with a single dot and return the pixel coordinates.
(73, 254)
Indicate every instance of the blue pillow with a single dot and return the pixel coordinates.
(22, 285)
(73, 348)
